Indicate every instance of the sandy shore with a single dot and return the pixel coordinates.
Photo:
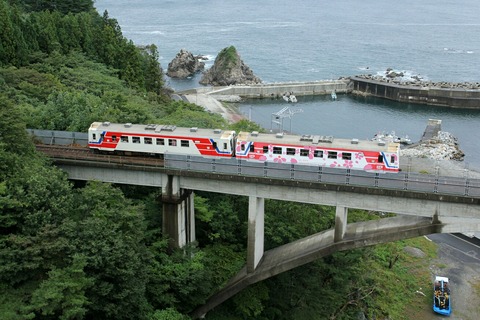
(211, 104)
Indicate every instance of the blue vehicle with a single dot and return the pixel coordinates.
(442, 301)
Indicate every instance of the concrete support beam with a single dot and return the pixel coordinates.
(256, 235)
(178, 213)
(341, 214)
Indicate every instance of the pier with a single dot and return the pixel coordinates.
(459, 96)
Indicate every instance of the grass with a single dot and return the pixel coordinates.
(406, 287)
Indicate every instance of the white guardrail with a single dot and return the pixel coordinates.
(412, 181)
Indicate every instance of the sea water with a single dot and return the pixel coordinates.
(307, 40)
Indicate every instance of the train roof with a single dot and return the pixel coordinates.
(168, 130)
(320, 141)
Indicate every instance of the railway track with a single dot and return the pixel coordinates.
(85, 154)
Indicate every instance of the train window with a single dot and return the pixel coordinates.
(94, 136)
(265, 149)
(136, 139)
(172, 142)
(346, 156)
(380, 158)
(214, 145)
(392, 158)
(224, 146)
(102, 135)
(185, 143)
(124, 138)
(242, 147)
(114, 138)
(160, 141)
(291, 151)
(252, 148)
(304, 152)
(277, 150)
(318, 153)
(332, 155)
(147, 140)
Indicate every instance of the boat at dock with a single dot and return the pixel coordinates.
(442, 300)
(391, 137)
(334, 95)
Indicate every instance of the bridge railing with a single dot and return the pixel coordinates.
(412, 181)
(51, 137)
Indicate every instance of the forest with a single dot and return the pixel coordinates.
(71, 250)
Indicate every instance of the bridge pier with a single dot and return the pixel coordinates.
(256, 232)
(178, 213)
(341, 214)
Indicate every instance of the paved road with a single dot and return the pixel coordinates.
(459, 260)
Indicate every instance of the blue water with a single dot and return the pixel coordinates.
(282, 40)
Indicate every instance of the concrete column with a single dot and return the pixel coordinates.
(178, 213)
(256, 232)
(341, 214)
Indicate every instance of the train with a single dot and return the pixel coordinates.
(312, 150)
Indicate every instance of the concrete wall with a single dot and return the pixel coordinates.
(277, 89)
(447, 97)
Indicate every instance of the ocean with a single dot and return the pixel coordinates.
(307, 40)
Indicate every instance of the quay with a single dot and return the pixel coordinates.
(453, 95)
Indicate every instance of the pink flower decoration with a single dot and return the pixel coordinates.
(279, 159)
(359, 156)
(293, 160)
(348, 164)
(333, 165)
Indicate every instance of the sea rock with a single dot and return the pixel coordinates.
(185, 64)
(444, 146)
(229, 69)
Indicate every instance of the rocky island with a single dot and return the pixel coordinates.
(185, 65)
(229, 69)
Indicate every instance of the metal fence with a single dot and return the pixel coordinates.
(405, 180)
(63, 138)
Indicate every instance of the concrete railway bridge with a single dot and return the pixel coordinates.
(423, 203)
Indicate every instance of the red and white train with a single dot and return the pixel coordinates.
(253, 146)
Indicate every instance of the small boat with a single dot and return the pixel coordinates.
(391, 137)
(334, 95)
(292, 98)
(442, 300)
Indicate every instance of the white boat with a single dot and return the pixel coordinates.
(293, 98)
(334, 95)
(391, 137)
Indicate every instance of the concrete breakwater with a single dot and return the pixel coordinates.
(276, 90)
(455, 95)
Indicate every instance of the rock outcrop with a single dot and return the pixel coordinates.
(185, 64)
(229, 69)
(444, 146)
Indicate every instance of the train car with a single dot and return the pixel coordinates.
(317, 150)
(159, 139)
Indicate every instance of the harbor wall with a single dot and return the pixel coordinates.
(277, 89)
(446, 97)
(420, 93)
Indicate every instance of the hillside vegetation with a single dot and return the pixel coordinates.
(96, 251)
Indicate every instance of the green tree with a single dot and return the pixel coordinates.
(62, 295)
(109, 232)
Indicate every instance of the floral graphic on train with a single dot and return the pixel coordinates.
(348, 164)
(242, 147)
